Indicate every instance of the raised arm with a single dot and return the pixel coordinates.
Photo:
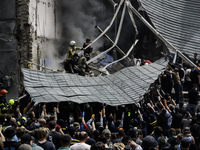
(1, 135)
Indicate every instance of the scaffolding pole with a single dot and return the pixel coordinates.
(111, 41)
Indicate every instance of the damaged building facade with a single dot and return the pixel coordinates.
(34, 32)
(28, 30)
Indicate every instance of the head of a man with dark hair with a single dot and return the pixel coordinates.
(98, 146)
(88, 131)
(52, 125)
(65, 140)
(83, 137)
(150, 143)
(121, 133)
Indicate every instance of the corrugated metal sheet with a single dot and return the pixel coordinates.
(178, 21)
(123, 87)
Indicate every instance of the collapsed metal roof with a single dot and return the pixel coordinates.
(178, 21)
(123, 87)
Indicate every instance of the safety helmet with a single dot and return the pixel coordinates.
(72, 43)
(3, 92)
(11, 102)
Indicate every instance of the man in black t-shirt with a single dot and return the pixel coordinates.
(89, 49)
(176, 119)
(54, 136)
(193, 99)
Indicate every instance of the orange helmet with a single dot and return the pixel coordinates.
(3, 92)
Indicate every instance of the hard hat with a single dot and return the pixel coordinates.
(72, 43)
(3, 92)
(11, 102)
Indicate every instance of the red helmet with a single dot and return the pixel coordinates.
(3, 92)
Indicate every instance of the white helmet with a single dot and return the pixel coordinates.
(72, 43)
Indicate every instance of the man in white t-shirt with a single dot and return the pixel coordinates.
(81, 145)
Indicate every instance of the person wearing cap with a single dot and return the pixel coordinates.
(10, 141)
(81, 145)
(150, 143)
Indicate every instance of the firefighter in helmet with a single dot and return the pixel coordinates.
(12, 106)
(71, 50)
(3, 103)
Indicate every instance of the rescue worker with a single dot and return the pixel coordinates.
(70, 66)
(3, 102)
(71, 50)
(89, 49)
(82, 64)
(11, 106)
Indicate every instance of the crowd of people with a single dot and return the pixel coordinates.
(160, 121)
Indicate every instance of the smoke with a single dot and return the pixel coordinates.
(76, 20)
(79, 18)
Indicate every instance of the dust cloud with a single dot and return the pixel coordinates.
(79, 18)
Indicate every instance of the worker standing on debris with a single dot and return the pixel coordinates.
(82, 64)
(71, 50)
(70, 66)
(177, 83)
(3, 102)
(89, 49)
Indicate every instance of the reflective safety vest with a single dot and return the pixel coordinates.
(71, 51)
(3, 108)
